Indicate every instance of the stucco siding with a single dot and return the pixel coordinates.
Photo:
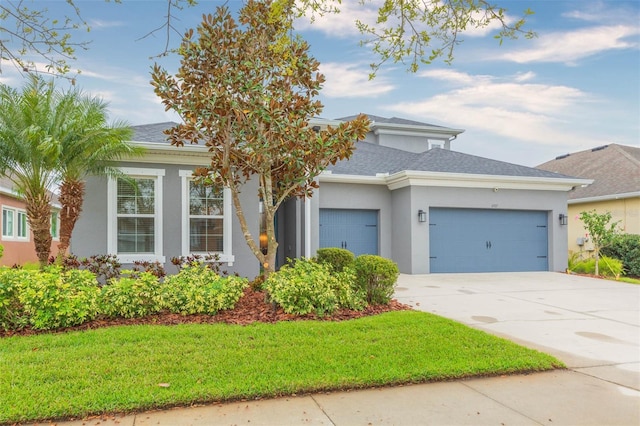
(624, 210)
(368, 197)
(90, 234)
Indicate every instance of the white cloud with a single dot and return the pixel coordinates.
(342, 24)
(567, 47)
(100, 24)
(345, 80)
(506, 107)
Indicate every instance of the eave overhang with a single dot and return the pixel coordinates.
(458, 180)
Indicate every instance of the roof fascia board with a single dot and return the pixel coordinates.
(396, 129)
(359, 179)
(465, 180)
(609, 197)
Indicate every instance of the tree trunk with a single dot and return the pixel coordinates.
(71, 198)
(39, 217)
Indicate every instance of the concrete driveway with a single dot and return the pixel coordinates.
(592, 325)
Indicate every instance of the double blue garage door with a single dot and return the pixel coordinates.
(479, 240)
(355, 230)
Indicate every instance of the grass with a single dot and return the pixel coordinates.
(119, 369)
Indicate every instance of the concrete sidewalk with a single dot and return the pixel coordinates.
(592, 325)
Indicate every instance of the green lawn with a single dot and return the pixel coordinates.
(120, 369)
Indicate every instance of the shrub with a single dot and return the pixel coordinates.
(375, 277)
(54, 299)
(338, 258)
(306, 286)
(198, 289)
(212, 261)
(626, 247)
(12, 316)
(131, 297)
(607, 266)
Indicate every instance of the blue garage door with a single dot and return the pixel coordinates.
(478, 240)
(355, 230)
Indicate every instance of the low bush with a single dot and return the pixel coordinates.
(132, 297)
(607, 267)
(338, 258)
(375, 277)
(198, 289)
(12, 316)
(55, 299)
(306, 286)
(626, 247)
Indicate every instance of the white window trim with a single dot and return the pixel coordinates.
(112, 216)
(15, 236)
(227, 237)
(57, 213)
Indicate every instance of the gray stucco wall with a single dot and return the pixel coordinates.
(405, 240)
(90, 233)
(353, 196)
(553, 202)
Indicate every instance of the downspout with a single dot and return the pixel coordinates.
(307, 228)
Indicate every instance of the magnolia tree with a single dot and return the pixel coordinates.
(246, 90)
(600, 230)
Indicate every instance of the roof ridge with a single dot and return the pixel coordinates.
(627, 155)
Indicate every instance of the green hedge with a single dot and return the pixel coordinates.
(338, 258)
(626, 247)
(376, 277)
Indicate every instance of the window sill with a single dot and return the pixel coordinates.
(130, 258)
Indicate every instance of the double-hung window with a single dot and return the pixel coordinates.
(14, 224)
(206, 224)
(135, 215)
(55, 225)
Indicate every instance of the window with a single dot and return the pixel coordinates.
(7, 222)
(14, 224)
(135, 215)
(206, 227)
(55, 225)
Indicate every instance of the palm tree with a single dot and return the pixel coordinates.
(29, 123)
(89, 146)
(50, 138)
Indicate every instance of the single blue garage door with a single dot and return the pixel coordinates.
(479, 240)
(354, 230)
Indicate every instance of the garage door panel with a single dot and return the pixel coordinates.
(356, 230)
(480, 240)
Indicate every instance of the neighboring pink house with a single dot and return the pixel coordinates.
(16, 237)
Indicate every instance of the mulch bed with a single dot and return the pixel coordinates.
(252, 307)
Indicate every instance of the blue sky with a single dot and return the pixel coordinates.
(576, 86)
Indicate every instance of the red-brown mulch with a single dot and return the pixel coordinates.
(252, 307)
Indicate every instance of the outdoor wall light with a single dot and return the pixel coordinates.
(422, 216)
(563, 219)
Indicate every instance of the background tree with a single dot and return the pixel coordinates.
(412, 32)
(600, 230)
(29, 123)
(88, 145)
(250, 102)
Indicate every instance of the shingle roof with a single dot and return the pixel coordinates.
(369, 159)
(392, 120)
(614, 168)
(152, 132)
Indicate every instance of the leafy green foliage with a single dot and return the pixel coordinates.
(55, 299)
(197, 289)
(246, 90)
(376, 277)
(306, 286)
(12, 316)
(626, 247)
(601, 231)
(608, 266)
(132, 297)
(338, 258)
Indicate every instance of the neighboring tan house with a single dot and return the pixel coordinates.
(615, 170)
(403, 195)
(17, 238)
